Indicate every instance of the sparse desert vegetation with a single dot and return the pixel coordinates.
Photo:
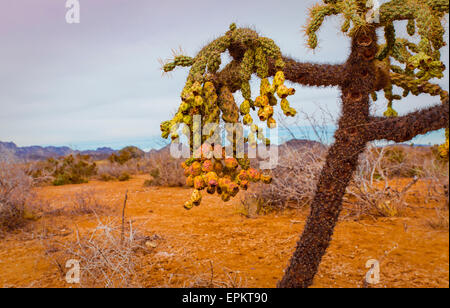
(222, 245)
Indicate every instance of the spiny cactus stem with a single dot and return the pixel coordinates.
(341, 162)
(404, 128)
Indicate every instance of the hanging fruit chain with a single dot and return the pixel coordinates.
(209, 168)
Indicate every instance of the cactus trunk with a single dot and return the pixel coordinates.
(342, 160)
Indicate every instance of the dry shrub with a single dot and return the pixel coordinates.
(86, 202)
(370, 192)
(18, 203)
(294, 181)
(165, 171)
(117, 172)
(107, 260)
(440, 221)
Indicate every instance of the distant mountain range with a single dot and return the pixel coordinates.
(41, 153)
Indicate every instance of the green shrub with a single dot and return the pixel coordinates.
(126, 154)
(124, 177)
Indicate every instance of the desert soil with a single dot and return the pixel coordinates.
(216, 240)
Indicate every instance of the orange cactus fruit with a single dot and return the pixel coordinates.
(242, 176)
(188, 171)
(218, 167)
(211, 190)
(208, 166)
(199, 183)
(231, 163)
(196, 168)
(244, 185)
(233, 189)
(211, 179)
(190, 181)
(254, 175)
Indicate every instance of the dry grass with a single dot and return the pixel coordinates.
(107, 260)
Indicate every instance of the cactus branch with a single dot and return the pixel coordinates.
(405, 128)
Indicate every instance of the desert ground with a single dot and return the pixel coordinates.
(216, 245)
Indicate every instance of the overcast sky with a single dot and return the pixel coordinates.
(99, 83)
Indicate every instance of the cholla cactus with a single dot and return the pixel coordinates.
(399, 63)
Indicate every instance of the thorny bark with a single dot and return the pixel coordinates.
(358, 81)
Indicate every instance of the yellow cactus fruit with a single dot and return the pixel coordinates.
(198, 101)
(245, 107)
(188, 205)
(247, 120)
(199, 183)
(233, 189)
(218, 167)
(211, 179)
(278, 80)
(253, 174)
(261, 101)
(211, 190)
(196, 197)
(190, 181)
(231, 163)
(242, 176)
(207, 166)
(244, 185)
(196, 168)
(264, 87)
(209, 89)
(284, 91)
(197, 88)
(266, 179)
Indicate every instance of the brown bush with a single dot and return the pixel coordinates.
(294, 180)
(165, 171)
(17, 201)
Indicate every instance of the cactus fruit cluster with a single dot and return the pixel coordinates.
(224, 176)
(215, 103)
(407, 64)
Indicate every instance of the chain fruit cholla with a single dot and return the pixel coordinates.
(398, 63)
